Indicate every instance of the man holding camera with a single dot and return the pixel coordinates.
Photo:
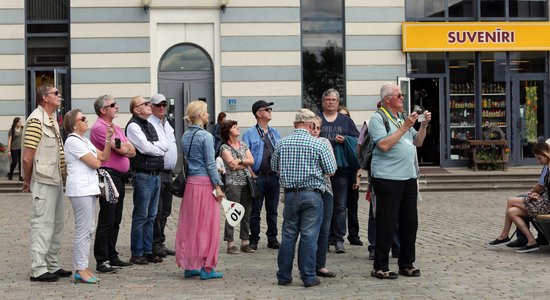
(394, 175)
(118, 166)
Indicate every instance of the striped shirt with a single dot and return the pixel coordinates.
(33, 135)
(302, 161)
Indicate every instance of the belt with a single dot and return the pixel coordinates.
(296, 190)
(270, 173)
(147, 172)
(169, 172)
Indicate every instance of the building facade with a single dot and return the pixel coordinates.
(231, 53)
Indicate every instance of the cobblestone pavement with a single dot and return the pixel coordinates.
(451, 252)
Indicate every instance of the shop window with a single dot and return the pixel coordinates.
(424, 63)
(492, 8)
(425, 9)
(185, 57)
(528, 8)
(322, 50)
(528, 62)
(493, 90)
(461, 9)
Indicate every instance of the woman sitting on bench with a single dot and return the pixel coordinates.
(532, 205)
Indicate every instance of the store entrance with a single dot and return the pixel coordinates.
(427, 93)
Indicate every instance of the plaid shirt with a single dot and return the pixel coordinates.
(302, 161)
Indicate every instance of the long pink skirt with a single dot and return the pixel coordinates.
(198, 234)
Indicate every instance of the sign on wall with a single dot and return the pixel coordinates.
(475, 36)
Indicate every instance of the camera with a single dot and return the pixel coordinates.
(420, 111)
(117, 143)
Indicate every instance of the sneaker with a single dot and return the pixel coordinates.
(516, 243)
(527, 249)
(339, 248)
(105, 267)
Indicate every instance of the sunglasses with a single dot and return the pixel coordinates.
(83, 119)
(112, 105)
(146, 103)
(162, 104)
(55, 93)
(266, 109)
(398, 95)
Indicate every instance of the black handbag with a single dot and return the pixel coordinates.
(253, 187)
(178, 185)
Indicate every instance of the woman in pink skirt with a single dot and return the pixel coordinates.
(198, 234)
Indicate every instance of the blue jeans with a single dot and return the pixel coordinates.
(146, 198)
(301, 216)
(269, 189)
(322, 241)
(340, 187)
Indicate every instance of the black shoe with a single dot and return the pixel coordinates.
(168, 251)
(253, 246)
(158, 251)
(63, 273)
(516, 243)
(154, 258)
(497, 241)
(355, 241)
(339, 248)
(371, 254)
(283, 282)
(105, 267)
(314, 283)
(139, 260)
(46, 277)
(273, 244)
(119, 263)
(10, 176)
(527, 249)
(20, 178)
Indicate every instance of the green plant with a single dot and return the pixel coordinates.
(488, 158)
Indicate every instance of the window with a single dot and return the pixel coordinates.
(322, 50)
(528, 8)
(185, 57)
(425, 9)
(426, 63)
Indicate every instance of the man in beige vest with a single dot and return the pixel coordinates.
(44, 170)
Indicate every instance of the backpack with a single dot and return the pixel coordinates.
(365, 152)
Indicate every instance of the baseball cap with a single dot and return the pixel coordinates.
(157, 98)
(260, 104)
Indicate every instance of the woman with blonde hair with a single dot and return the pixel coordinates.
(534, 204)
(198, 233)
(82, 188)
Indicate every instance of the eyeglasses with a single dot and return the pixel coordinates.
(112, 105)
(163, 104)
(266, 109)
(83, 119)
(398, 95)
(55, 93)
(146, 103)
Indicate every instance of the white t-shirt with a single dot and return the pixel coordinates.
(81, 179)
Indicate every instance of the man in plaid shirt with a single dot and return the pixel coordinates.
(302, 162)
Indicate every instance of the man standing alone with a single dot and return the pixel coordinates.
(118, 167)
(261, 140)
(44, 170)
(394, 176)
(302, 162)
(166, 134)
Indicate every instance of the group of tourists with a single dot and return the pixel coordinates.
(315, 167)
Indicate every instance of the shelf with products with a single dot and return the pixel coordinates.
(493, 109)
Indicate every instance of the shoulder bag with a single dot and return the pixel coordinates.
(178, 185)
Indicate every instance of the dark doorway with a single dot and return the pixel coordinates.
(426, 92)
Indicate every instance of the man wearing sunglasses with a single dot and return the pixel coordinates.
(261, 140)
(118, 166)
(166, 134)
(44, 172)
(146, 167)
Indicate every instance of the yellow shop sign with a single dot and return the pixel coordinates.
(475, 36)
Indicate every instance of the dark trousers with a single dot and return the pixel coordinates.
(352, 206)
(341, 188)
(15, 160)
(372, 231)
(269, 190)
(164, 210)
(395, 203)
(108, 223)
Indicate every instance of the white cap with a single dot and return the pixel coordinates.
(157, 98)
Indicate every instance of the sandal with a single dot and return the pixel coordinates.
(410, 272)
(383, 274)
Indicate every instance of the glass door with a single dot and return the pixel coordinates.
(528, 116)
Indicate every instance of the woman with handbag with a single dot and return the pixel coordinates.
(534, 204)
(198, 233)
(82, 188)
(237, 159)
